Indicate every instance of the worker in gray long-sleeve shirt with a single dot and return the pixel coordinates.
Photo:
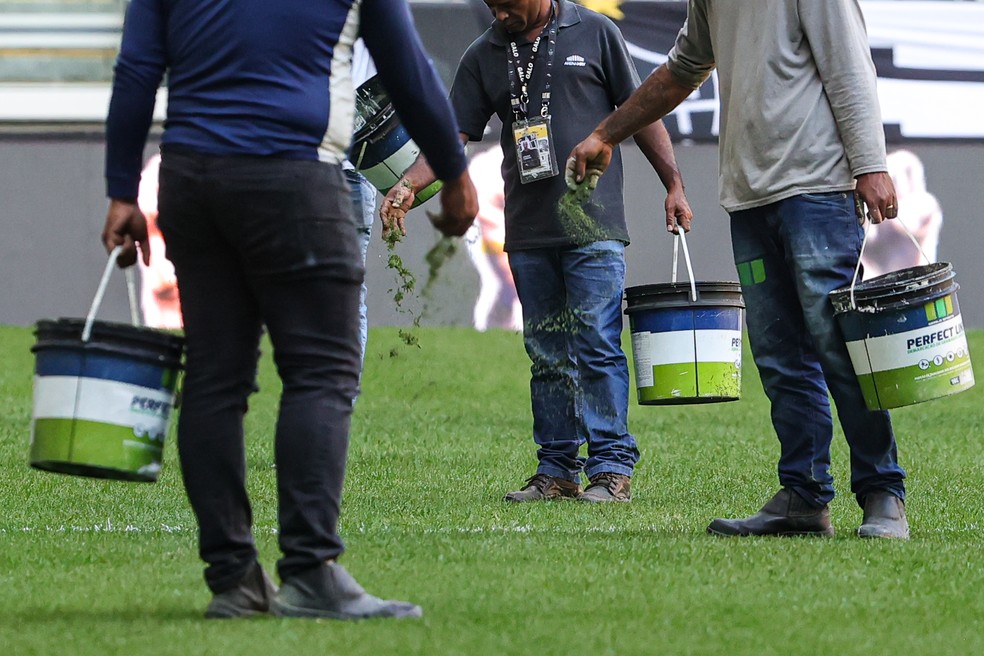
(802, 152)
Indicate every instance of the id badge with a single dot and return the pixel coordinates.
(534, 149)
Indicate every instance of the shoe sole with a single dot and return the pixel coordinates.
(280, 609)
(782, 534)
(881, 536)
(561, 497)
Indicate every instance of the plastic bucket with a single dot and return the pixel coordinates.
(382, 150)
(102, 408)
(103, 395)
(905, 336)
(685, 350)
(686, 339)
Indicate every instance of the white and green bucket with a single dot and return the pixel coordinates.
(104, 394)
(382, 149)
(905, 336)
(686, 339)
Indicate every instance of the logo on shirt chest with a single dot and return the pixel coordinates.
(574, 60)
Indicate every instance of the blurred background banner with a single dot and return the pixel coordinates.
(929, 57)
(56, 59)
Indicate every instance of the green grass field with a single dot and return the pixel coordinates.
(441, 432)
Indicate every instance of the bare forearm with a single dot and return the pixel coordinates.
(658, 95)
(420, 175)
(654, 142)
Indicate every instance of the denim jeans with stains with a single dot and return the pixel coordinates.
(572, 330)
(790, 255)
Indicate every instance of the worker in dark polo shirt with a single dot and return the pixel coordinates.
(550, 70)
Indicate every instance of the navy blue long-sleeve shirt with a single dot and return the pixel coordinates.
(261, 78)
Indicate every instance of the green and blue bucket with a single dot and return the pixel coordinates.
(905, 335)
(104, 395)
(382, 149)
(686, 339)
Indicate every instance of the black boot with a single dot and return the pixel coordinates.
(884, 517)
(787, 513)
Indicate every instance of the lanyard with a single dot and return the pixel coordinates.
(520, 76)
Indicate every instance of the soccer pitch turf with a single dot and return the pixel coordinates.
(439, 434)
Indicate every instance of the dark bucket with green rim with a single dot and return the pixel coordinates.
(382, 149)
(905, 336)
(686, 350)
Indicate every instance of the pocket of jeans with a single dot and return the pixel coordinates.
(826, 196)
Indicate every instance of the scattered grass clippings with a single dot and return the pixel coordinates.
(577, 223)
(436, 257)
(405, 285)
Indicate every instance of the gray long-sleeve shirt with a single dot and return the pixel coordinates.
(799, 106)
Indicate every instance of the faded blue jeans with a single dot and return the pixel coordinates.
(364, 211)
(572, 329)
(790, 255)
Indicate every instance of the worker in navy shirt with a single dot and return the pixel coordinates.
(548, 69)
(261, 232)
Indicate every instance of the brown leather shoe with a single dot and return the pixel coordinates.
(543, 487)
(884, 517)
(786, 513)
(608, 486)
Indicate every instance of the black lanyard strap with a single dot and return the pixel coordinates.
(520, 76)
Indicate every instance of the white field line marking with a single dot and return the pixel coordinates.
(110, 527)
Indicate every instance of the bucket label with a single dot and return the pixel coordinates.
(103, 423)
(687, 364)
(916, 365)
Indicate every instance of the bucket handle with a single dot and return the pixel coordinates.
(677, 240)
(131, 289)
(864, 240)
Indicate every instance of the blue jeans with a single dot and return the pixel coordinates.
(364, 210)
(572, 329)
(790, 255)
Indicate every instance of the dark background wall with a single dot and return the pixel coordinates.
(52, 210)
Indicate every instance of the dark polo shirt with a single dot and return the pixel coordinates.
(592, 74)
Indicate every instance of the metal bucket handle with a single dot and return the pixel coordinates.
(677, 240)
(131, 289)
(857, 268)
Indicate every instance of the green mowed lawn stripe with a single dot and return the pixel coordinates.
(439, 434)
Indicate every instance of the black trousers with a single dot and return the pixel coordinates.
(254, 242)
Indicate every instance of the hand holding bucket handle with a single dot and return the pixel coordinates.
(101, 291)
(857, 267)
(678, 239)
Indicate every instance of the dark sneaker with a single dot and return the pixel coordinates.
(786, 513)
(330, 591)
(543, 487)
(884, 517)
(250, 597)
(608, 486)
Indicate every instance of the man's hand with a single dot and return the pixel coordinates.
(877, 192)
(395, 206)
(459, 206)
(678, 212)
(588, 160)
(126, 226)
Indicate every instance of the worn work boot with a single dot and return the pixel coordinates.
(543, 487)
(330, 591)
(884, 517)
(608, 486)
(251, 596)
(786, 513)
